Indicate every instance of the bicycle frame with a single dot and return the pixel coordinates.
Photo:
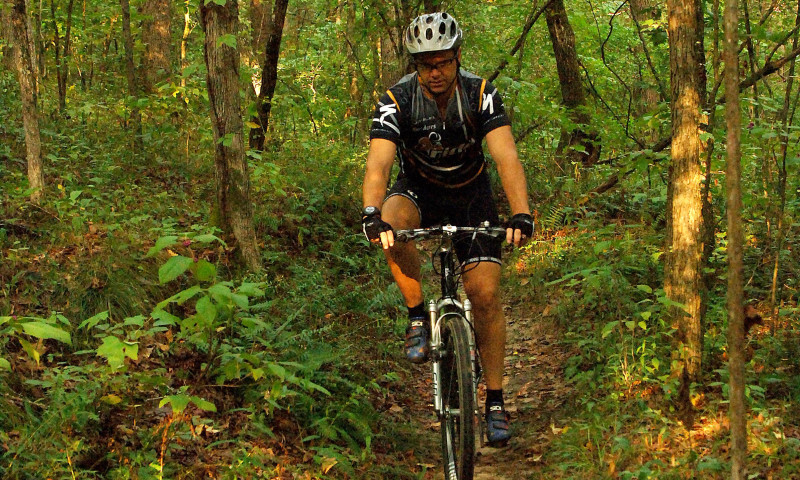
(447, 306)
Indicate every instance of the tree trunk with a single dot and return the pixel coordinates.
(18, 30)
(184, 40)
(580, 145)
(786, 121)
(737, 408)
(62, 55)
(232, 177)
(682, 272)
(130, 72)
(269, 74)
(157, 37)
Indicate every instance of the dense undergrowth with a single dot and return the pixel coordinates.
(134, 347)
(599, 278)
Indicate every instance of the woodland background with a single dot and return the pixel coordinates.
(185, 292)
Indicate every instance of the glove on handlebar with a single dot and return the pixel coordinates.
(522, 222)
(373, 226)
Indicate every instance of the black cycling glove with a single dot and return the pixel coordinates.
(372, 225)
(522, 222)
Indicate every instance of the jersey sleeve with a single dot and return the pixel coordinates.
(386, 119)
(491, 112)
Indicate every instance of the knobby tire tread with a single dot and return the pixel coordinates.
(458, 374)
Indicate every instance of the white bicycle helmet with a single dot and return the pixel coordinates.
(433, 32)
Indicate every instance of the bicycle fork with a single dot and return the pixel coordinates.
(437, 315)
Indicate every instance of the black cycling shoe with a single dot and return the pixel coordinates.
(497, 431)
(417, 341)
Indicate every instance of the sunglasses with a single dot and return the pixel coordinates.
(424, 67)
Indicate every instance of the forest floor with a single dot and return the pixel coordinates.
(535, 393)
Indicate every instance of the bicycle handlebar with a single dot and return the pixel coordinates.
(446, 230)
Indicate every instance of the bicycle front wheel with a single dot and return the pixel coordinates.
(458, 400)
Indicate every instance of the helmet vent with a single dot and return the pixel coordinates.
(429, 34)
(442, 28)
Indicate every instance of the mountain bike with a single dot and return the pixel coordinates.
(453, 352)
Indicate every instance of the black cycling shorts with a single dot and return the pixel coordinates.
(468, 206)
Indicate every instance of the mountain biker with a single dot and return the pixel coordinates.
(435, 120)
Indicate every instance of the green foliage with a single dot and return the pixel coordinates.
(162, 349)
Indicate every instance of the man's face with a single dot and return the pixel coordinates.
(437, 70)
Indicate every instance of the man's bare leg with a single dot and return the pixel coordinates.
(481, 282)
(403, 258)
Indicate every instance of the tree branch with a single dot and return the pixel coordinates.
(521, 39)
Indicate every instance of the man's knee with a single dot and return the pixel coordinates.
(482, 294)
(400, 212)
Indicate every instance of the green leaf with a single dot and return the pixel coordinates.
(44, 331)
(206, 311)
(207, 238)
(115, 350)
(240, 300)
(228, 39)
(251, 289)
(609, 327)
(29, 349)
(602, 246)
(161, 244)
(656, 363)
(173, 268)
(204, 404)
(92, 321)
(163, 318)
(645, 288)
(4, 365)
(138, 321)
(178, 402)
(646, 314)
(220, 291)
(180, 298)
(205, 271)
(277, 370)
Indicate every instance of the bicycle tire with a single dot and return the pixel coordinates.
(458, 401)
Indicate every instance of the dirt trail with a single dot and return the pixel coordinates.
(534, 391)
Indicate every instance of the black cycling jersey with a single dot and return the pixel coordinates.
(443, 151)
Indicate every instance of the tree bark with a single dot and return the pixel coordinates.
(157, 37)
(62, 55)
(130, 73)
(269, 74)
(184, 39)
(682, 272)
(735, 300)
(232, 176)
(580, 145)
(19, 31)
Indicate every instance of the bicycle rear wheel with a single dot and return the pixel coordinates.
(458, 401)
